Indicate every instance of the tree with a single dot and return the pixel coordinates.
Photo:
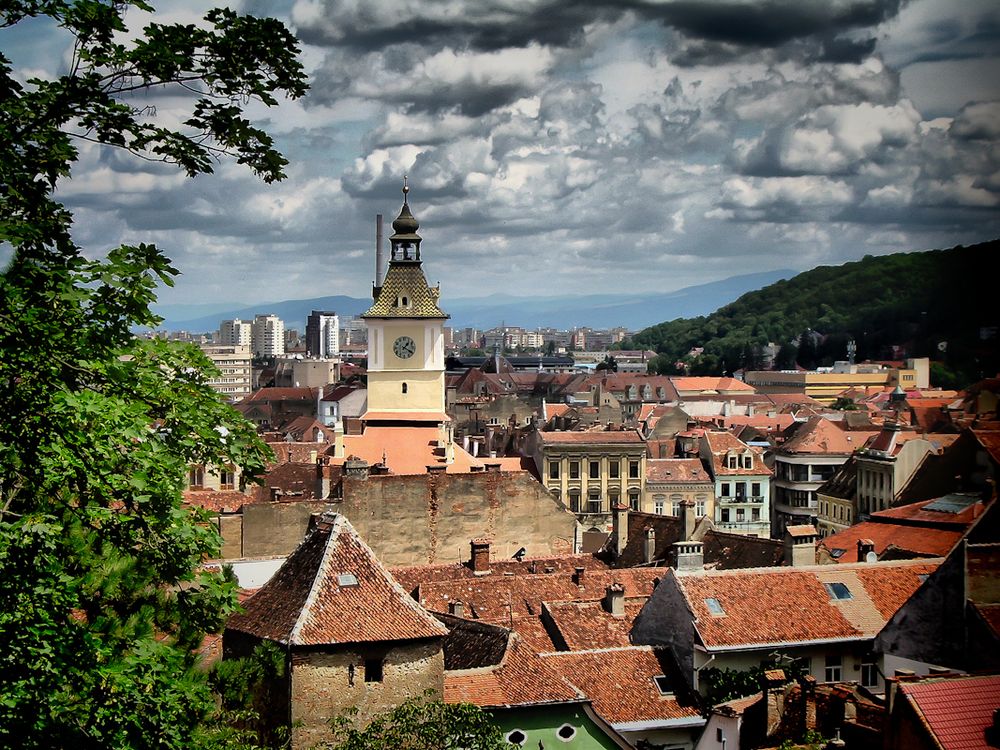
(102, 602)
(420, 724)
(609, 363)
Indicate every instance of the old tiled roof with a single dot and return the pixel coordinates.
(331, 590)
(721, 442)
(522, 678)
(843, 483)
(405, 279)
(724, 551)
(791, 605)
(580, 626)
(281, 394)
(602, 437)
(957, 711)
(619, 682)
(217, 501)
(820, 435)
(472, 644)
(913, 530)
(679, 470)
(412, 576)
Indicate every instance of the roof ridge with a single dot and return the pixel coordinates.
(318, 577)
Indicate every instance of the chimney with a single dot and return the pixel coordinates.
(578, 573)
(456, 608)
(800, 545)
(864, 547)
(480, 562)
(356, 468)
(620, 528)
(690, 555)
(649, 545)
(687, 519)
(614, 600)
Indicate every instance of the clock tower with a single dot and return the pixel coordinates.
(405, 335)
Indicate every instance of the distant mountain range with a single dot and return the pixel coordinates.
(633, 311)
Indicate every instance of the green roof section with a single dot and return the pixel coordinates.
(405, 294)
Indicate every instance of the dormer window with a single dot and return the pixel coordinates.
(731, 461)
(747, 460)
(402, 300)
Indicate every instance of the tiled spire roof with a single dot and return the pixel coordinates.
(332, 590)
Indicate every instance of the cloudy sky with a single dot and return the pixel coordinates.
(556, 147)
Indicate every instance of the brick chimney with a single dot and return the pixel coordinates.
(578, 573)
(614, 600)
(456, 608)
(864, 547)
(480, 561)
(620, 527)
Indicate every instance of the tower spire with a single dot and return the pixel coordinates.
(405, 241)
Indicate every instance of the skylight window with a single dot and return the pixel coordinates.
(838, 590)
(662, 683)
(347, 579)
(715, 607)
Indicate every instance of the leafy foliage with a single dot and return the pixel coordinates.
(419, 724)
(102, 602)
(720, 685)
(914, 300)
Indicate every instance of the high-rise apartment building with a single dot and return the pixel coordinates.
(233, 361)
(323, 334)
(268, 336)
(235, 333)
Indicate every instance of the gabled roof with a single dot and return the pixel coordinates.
(956, 711)
(522, 678)
(333, 590)
(767, 607)
(717, 385)
(721, 443)
(619, 682)
(583, 625)
(405, 280)
(820, 435)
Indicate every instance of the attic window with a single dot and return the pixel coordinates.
(347, 579)
(837, 552)
(662, 683)
(838, 590)
(715, 607)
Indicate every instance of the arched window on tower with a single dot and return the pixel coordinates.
(404, 387)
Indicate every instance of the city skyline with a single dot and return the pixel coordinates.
(558, 148)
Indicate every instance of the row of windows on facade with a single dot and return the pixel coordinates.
(805, 472)
(835, 512)
(595, 503)
(725, 490)
(738, 461)
(659, 504)
(196, 477)
(594, 469)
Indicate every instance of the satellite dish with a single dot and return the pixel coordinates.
(871, 557)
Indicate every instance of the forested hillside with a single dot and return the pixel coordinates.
(939, 303)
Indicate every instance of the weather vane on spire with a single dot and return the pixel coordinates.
(406, 188)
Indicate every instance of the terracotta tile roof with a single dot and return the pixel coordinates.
(581, 626)
(602, 437)
(990, 440)
(406, 416)
(720, 443)
(405, 279)
(915, 541)
(281, 394)
(313, 598)
(710, 384)
(412, 576)
(680, 470)
(408, 450)
(522, 678)
(217, 501)
(555, 410)
(956, 710)
(619, 682)
(791, 605)
(990, 613)
(820, 435)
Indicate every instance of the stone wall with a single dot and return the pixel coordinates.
(325, 683)
(431, 518)
(275, 529)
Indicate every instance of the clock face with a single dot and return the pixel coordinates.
(404, 347)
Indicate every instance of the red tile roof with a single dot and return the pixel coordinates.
(920, 541)
(602, 437)
(791, 605)
(310, 601)
(716, 384)
(582, 626)
(522, 678)
(408, 450)
(956, 710)
(721, 443)
(619, 682)
(681, 470)
(820, 435)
